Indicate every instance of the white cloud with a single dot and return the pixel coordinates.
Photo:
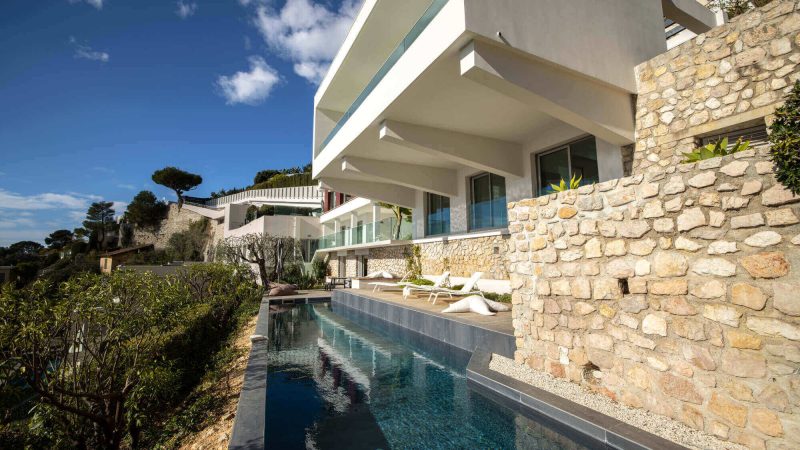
(307, 34)
(186, 9)
(17, 222)
(252, 87)
(96, 3)
(47, 200)
(83, 51)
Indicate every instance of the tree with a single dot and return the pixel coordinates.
(400, 213)
(271, 254)
(785, 139)
(25, 248)
(734, 8)
(178, 180)
(59, 239)
(145, 210)
(188, 245)
(100, 221)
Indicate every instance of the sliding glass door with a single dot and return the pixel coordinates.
(487, 202)
(578, 159)
(437, 217)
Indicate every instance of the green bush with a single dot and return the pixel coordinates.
(503, 298)
(188, 245)
(421, 282)
(715, 149)
(785, 139)
(285, 180)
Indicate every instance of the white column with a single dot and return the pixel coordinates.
(376, 216)
(353, 225)
(336, 239)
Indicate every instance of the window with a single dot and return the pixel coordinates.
(361, 266)
(487, 207)
(437, 215)
(342, 266)
(757, 136)
(577, 159)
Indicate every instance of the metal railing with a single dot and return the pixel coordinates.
(297, 194)
(416, 30)
(383, 230)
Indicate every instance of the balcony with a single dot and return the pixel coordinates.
(382, 231)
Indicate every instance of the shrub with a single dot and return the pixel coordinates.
(574, 183)
(188, 245)
(785, 139)
(421, 282)
(503, 298)
(715, 149)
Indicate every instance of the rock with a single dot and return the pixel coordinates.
(678, 306)
(606, 289)
(716, 219)
(766, 265)
(581, 288)
(680, 388)
(751, 187)
(616, 248)
(714, 266)
(593, 248)
(620, 268)
(766, 422)
(690, 219)
(583, 308)
(737, 339)
(728, 409)
(653, 324)
(642, 268)
(686, 244)
(702, 180)
(647, 190)
(710, 199)
(653, 209)
(747, 221)
(735, 168)
(699, 357)
(722, 247)
(567, 212)
(600, 341)
(778, 195)
(664, 225)
(722, 314)
(634, 229)
(621, 197)
(708, 290)
(643, 247)
(786, 298)
(763, 239)
(744, 294)
(774, 398)
(670, 264)
(781, 217)
(668, 287)
(674, 205)
(689, 329)
(773, 327)
(633, 304)
(674, 186)
(743, 363)
(764, 167)
(734, 202)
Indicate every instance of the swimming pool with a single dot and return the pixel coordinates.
(337, 379)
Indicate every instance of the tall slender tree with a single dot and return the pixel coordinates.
(100, 221)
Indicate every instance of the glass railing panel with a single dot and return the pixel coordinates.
(397, 53)
(488, 214)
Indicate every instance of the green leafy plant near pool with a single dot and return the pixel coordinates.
(715, 150)
(785, 139)
(574, 183)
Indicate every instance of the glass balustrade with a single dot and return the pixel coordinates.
(384, 230)
(488, 214)
(395, 56)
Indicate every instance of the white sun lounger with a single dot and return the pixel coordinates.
(378, 286)
(467, 289)
(409, 288)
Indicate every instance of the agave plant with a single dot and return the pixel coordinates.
(715, 149)
(562, 186)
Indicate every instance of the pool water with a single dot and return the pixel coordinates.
(337, 379)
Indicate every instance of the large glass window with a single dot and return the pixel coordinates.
(578, 159)
(487, 202)
(437, 220)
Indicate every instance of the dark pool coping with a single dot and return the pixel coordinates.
(600, 427)
(249, 426)
(456, 333)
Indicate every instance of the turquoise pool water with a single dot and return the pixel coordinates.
(340, 380)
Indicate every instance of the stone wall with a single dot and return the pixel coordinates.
(677, 293)
(176, 221)
(731, 75)
(461, 257)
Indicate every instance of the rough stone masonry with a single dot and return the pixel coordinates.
(677, 289)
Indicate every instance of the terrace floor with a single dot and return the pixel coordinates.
(501, 322)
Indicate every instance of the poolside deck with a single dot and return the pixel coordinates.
(466, 331)
(500, 322)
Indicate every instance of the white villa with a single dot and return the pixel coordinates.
(453, 108)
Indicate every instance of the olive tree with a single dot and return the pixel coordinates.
(271, 254)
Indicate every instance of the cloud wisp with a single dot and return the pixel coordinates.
(251, 87)
(96, 3)
(186, 9)
(307, 34)
(47, 200)
(83, 51)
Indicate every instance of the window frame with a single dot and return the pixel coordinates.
(471, 202)
(568, 147)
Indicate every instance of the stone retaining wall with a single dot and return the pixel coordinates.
(177, 220)
(733, 74)
(461, 257)
(677, 293)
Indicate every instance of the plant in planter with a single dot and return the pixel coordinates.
(562, 186)
(715, 149)
(785, 139)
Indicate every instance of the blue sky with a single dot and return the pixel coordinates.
(97, 94)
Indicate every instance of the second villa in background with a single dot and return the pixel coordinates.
(453, 108)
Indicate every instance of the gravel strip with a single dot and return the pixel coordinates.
(654, 423)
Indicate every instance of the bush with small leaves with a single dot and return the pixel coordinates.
(785, 139)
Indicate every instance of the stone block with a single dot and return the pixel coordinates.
(786, 298)
(699, 357)
(714, 266)
(781, 217)
(747, 295)
(738, 339)
(670, 264)
(763, 239)
(722, 247)
(766, 265)
(747, 221)
(680, 388)
(653, 324)
(722, 314)
(778, 195)
(743, 363)
(773, 327)
(766, 422)
(668, 287)
(678, 306)
(689, 329)
(708, 290)
(690, 219)
(728, 409)
(735, 168)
